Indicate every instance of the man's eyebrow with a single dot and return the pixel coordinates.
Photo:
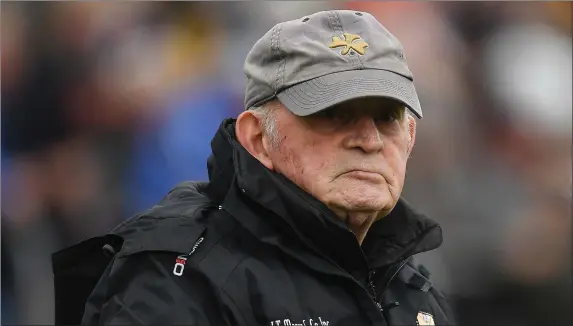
(399, 110)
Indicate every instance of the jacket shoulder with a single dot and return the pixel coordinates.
(173, 225)
(185, 199)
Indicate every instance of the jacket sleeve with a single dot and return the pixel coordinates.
(142, 289)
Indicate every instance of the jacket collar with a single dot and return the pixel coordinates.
(235, 174)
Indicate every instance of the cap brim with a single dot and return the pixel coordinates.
(323, 92)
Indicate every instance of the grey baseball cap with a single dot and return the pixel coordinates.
(329, 57)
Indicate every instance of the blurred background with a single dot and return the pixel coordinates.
(106, 106)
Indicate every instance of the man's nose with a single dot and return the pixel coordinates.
(364, 135)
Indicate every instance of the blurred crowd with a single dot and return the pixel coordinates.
(106, 106)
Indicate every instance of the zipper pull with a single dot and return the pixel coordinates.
(390, 306)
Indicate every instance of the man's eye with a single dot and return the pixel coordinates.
(387, 117)
(334, 115)
(330, 114)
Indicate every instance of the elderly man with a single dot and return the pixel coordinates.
(301, 222)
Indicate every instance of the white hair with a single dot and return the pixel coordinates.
(266, 115)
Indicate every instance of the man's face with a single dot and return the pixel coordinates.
(352, 157)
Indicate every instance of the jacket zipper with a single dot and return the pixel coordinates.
(370, 282)
(372, 296)
(402, 264)
(372, 293)
(373, 289)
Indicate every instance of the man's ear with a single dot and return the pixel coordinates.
(250, 133)
(411, 132)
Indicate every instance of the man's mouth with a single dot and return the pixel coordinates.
(365, 175)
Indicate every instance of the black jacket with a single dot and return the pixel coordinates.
(249, 248)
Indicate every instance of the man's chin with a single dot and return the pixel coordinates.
(363, 202)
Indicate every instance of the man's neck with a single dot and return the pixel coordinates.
(358, 222)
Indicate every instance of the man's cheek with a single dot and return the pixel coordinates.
(398, 153)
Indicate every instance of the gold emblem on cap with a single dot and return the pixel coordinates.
(350, 42)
